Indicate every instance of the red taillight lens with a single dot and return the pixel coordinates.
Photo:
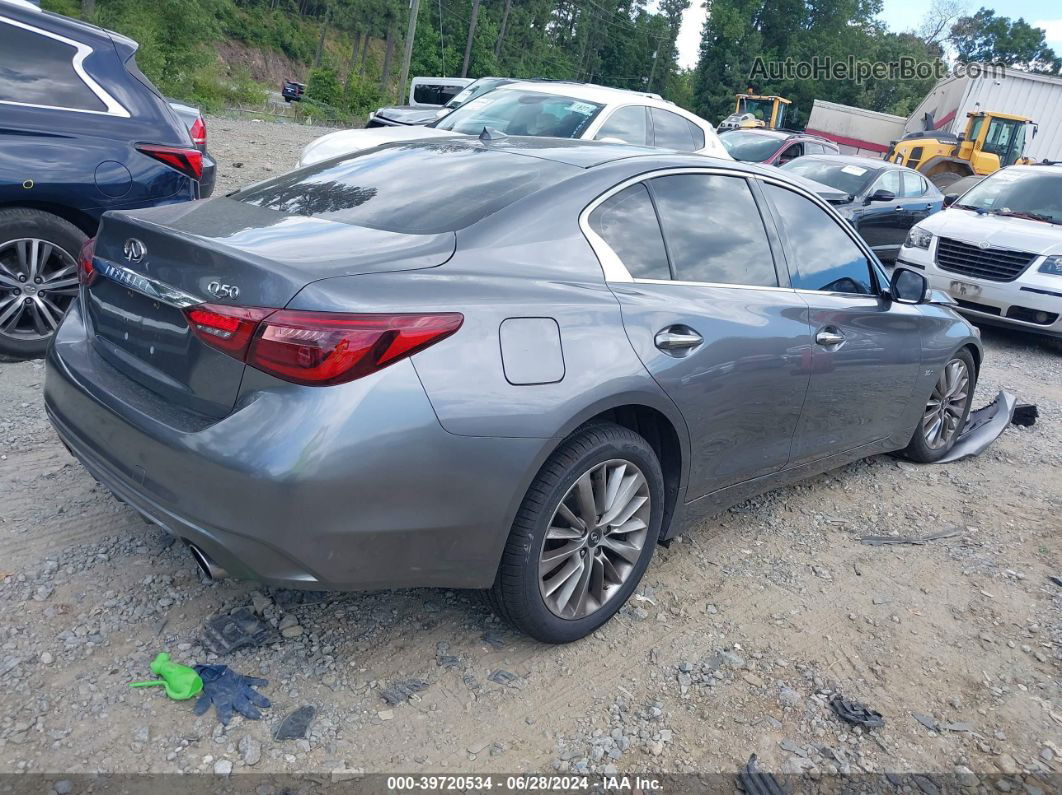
(86, 271)
(198, 132)
(317, 348)
(321, 348)
(227, 328)
(188, 161)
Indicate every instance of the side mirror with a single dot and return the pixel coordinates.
(881, 195)
(908, 286)
(950, 199)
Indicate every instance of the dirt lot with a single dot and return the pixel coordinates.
(735, 642)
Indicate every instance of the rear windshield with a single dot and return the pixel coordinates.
(749, 146)
(414, 188)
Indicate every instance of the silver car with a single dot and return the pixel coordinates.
(515, 365)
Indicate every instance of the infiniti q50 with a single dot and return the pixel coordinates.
(513, 365)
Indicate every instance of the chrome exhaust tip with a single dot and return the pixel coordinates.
(210, 569)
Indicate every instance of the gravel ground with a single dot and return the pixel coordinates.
(734, 644)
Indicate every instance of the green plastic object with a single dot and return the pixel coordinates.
(180, 681)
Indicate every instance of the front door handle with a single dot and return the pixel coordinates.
(829, 337)
(677, 338)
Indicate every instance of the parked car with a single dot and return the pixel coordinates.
(196, 125)
(883, 200)
(552, 110)
(998, 249)
(517, 375)
(292, 90)
(774, 147)
(400, 115)
(82, 131)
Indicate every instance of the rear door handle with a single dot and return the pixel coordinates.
(677, 338)
(828, 337)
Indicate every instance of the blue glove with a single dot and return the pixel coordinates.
(229, 692)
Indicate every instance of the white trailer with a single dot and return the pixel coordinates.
(1036, 96)
(855, 130)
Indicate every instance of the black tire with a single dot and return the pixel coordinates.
(20, 222)
(515, 595)
(918, 449)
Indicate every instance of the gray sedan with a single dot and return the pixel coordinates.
(509, 364)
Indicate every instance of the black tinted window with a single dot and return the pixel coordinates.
(627, 222)
(434, 94)
(671, 130)
(821, 256)
(626, 124)
(698, 135)
(416, 188)
(713, 230)
(37, 70)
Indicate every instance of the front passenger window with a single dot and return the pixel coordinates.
(821, 255)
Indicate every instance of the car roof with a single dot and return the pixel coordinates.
(762, 132)
(863, 162)
(591, 92)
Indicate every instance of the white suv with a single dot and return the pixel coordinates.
(552, 110)
(998, 249)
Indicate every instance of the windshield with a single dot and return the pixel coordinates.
(848, 177)
(518, 112)
(760, 108)
(1036, 195)
(749, 146)
(481, 86)
(1006, 138)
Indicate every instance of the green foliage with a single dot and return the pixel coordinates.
(323, 87)
(985, 37)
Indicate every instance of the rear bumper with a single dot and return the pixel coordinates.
(349, 487)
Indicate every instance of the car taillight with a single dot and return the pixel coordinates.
(198, 132)
(86, 271)
(318, 348)
(188, 161)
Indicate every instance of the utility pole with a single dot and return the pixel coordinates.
(649, 85)
(411, 32)
(471, 33)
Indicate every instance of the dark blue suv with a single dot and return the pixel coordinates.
(82, 131)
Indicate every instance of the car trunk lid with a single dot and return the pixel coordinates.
(154, 264)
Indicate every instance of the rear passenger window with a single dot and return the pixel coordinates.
(913, 185)
(627, 222)
(698, 135)
(672, 131)
(713, 230)
(626, 124)
(821, 256)
(38, 70)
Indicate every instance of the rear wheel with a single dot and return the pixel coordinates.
(945, 413)
(38, 278)
(583, 536)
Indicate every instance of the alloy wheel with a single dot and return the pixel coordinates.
(594, 539)
(947, 405)
(38, 280)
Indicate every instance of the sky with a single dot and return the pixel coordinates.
(898, 15)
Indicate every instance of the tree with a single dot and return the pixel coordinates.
(985, 37)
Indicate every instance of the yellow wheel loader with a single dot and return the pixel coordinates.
(990, 142)
(755, 110)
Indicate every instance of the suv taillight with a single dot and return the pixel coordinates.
(86, 271)
(188, 161)
(198, 133)
(317, 348)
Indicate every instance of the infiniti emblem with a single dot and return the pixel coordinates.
(134, 250)
(983, 245)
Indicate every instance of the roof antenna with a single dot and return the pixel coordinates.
(490, 134)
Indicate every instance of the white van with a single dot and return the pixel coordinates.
(434, 92)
